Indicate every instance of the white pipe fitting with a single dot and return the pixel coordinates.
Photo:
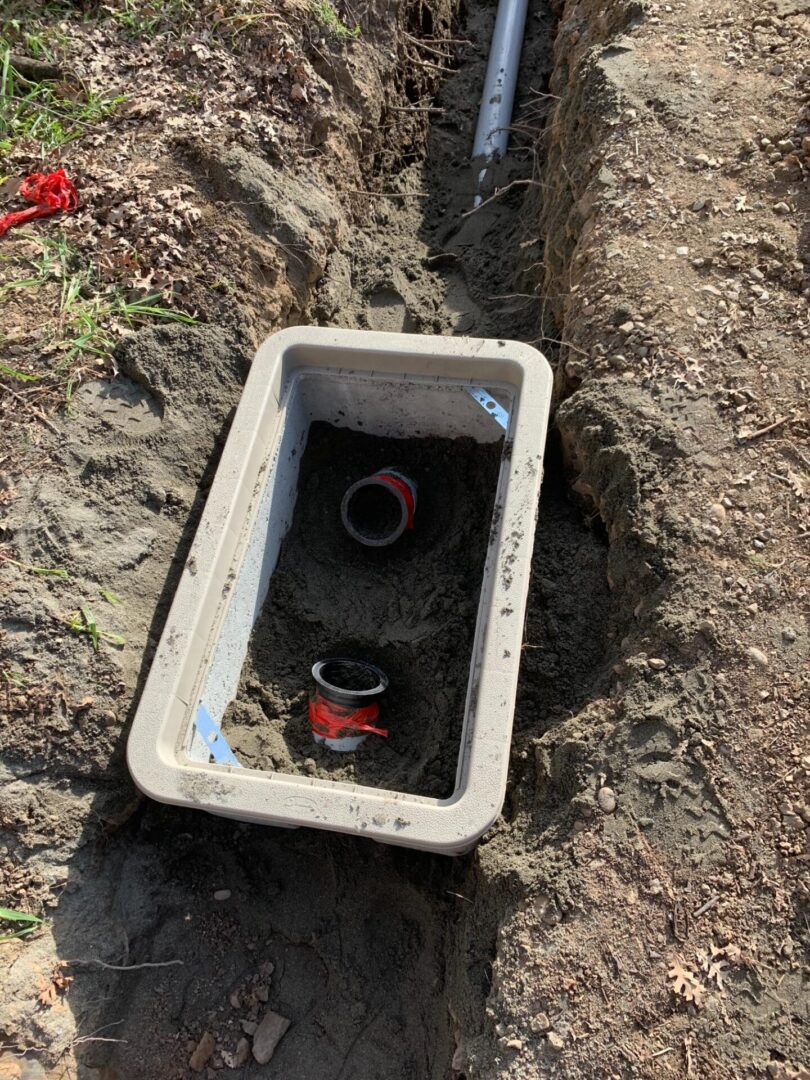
(498, 98)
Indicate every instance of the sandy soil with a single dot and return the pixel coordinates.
(641, 908)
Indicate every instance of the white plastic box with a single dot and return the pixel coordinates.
(393, 385)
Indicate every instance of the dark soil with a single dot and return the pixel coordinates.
(410, 608)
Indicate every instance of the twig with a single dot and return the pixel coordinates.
(416, 108)
(710, 903)
(458, 896)
(37, 70)
(559, 341)
(428, 48)
(389, 194)
(37, 412)
(499, 192)
(428, 64)
(751, 435)
(660, 1053)
(95, 1038)
(124, 967)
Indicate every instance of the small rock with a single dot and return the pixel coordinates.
(757, 655)
(249, 1026)
(202, 1054)
(235, 999)
(262, 993)
(222, 894)
(781, 208)
(793, 822)
(555, 1041)
(717, 511)
(268, 1035)
(656, 663)
(242, 1053)
(789, 634)
(606, 798)
(627, 328)
(541, 1022)
(309, 766)
(682, 251)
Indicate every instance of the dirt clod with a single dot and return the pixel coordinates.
(269, 1034)
(202, 1053)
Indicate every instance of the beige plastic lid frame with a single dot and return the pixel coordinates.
(400, 385)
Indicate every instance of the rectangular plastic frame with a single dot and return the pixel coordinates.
(392, 380)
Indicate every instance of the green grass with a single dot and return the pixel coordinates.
(38, 112)
(89, 314)
(40, 571)
(331, 21)
(53, 261)
(84, 622)
(30, 923)
(13, 373)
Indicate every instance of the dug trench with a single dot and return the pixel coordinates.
(380, 958)
(390, 965)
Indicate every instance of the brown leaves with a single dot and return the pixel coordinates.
(714, 964)
(685, 983)
(51, 990)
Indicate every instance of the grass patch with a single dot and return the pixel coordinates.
(43, 113)
(90, 315)
(84, 622)
(22, 924)
(331, 21)
(139, 19)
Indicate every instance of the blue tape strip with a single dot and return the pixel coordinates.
(488, 402)
(214, 739)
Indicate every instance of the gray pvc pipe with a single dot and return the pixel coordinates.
(495, 115)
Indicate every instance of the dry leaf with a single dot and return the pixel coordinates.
(49, 990)
(783, 1070)
(47, 993)
(717, 972)
(685, 983)
(796, 483)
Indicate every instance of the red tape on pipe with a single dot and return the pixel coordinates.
(51, 192)
(342, 721)
(406, 493)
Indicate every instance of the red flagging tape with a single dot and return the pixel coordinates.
(405, 492)
(50, 192)
(342, 721)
